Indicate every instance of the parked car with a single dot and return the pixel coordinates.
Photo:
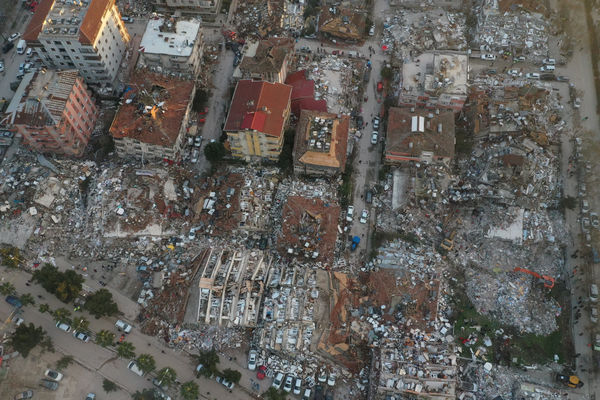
(198, 141)
(22, 68)
(562, 78)
(585, 224)
(595, 220)
(549, 61)
(252, 358)
(277, 381)
(159, 384)
(128, 20)
(81, 336)
(297, 385)
(123, 326)
(13, 301)
(7, 47)
(374, 138)
(133, 367)
(532, 75)
(289, 381)
(364, 216)
(585, 206)
(14, 37)
(199, 368)
(376, 123)
(331, 380)
(594, 315)
(192, 234)
(547, 68)
(53, 375)
(488, 57)
(369, 197)
(350, 214)
(48, 384)
(577, 103)
(24, 395)
(1, 66)
(514, 72)
(90, 396)
(306, 395)
(63, 326)
(225, 382)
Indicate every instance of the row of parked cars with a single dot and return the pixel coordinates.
(294, 384)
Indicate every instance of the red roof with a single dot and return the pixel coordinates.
(308, 104)
(260, 106)
(296, 76)
(37, 21)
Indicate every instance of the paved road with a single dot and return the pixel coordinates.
(12, 59)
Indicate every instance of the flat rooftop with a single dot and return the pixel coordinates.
(169, 36)
(322, 139)
(436, 72)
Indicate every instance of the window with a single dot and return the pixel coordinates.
(68, 43)
(57, 42)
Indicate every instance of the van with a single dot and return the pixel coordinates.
(306, 395)
(29, 52)
(133, 367)
(123, 326)
(547, 68)
(593, 293)
(21, 46)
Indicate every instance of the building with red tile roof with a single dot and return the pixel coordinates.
(88, 36)
(153, 118)
(303, 94)
(257, 119)
(321, 143)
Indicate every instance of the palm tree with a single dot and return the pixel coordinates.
(146, 362)
(81, 324)
(7, 288)
(62, 315)
(27, 299)
(105, 338)
(166, 376)
(126, 350)
(44, 308)
(189, 390)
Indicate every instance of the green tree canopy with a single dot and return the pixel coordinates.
(27, 299)
(146, 362)
(64, 285)
(232, 375)
(81, 324)
(209, 360)
(109, 386)
(146, 394)
(64, 362)
(167, 376)
(101, 304)
(105, 338)
(62, 315)
(214, 151)
(26, 337)
(190, 390)
(126, 350)
(7, 288)
(274, 394)
(44, 308)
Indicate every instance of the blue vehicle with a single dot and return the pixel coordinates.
(14, 301)
(355, 242)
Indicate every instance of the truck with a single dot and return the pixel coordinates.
(14, 301)
(21, 46)
(355, 242)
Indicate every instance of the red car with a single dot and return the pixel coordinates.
(335, 52)
(203, 112)
(202, 120)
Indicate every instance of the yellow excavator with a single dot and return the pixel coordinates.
(571, 381)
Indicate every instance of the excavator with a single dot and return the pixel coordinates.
(571, 381)
(548, 281)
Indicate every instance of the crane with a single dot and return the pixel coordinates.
(547, 280)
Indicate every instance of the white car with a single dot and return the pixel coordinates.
(81, 336)
(225, 382)
(123, 326)
(192, 234)
(364, 216)
(63, 327)
(547, 68)
(1, 66)
(252, 356)
(532, 75)
(331, 380)
(376, 123)
(14, 37)
(53, 375)
(374, 138)
(515, 72)
(350, 214)
(277, 381)
(549, 61)
(594, 315)
(289, 381)
(322, 378)
(577, 103)
(133, 367)
(489, 57)
(297, 385)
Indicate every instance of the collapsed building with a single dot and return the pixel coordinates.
(321, 143)
(267, 60)
(342, 23)
(153, 118)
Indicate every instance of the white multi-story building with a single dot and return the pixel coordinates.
(87, 35)
(172, 45)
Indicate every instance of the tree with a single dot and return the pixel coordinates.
(105, 338)
(109, 386)
(146, 394)
(64, 362)
(126, 350)
(100, 304)
(64, 285)
(209, 360)
(274, 394)
(11, 257)
(44, 308)
(27, 299)
(232, 375)
(146, 362)
(81, 324)
(7, 288)
(200, 100)
(167, 376)
(190, 390)
(62, 315)
(26, 337)
(387, 73)
(214, 151)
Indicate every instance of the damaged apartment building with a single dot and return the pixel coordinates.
(257, 119)
(172, 45)
(343, 23)
(321, 143)
(268, 60)
(54, 112)
(153, 117)
(435, 80)
(208, 10)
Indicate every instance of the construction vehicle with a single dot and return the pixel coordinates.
(571, 381)
(355, 242)
(548, 281)
(448, 242)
